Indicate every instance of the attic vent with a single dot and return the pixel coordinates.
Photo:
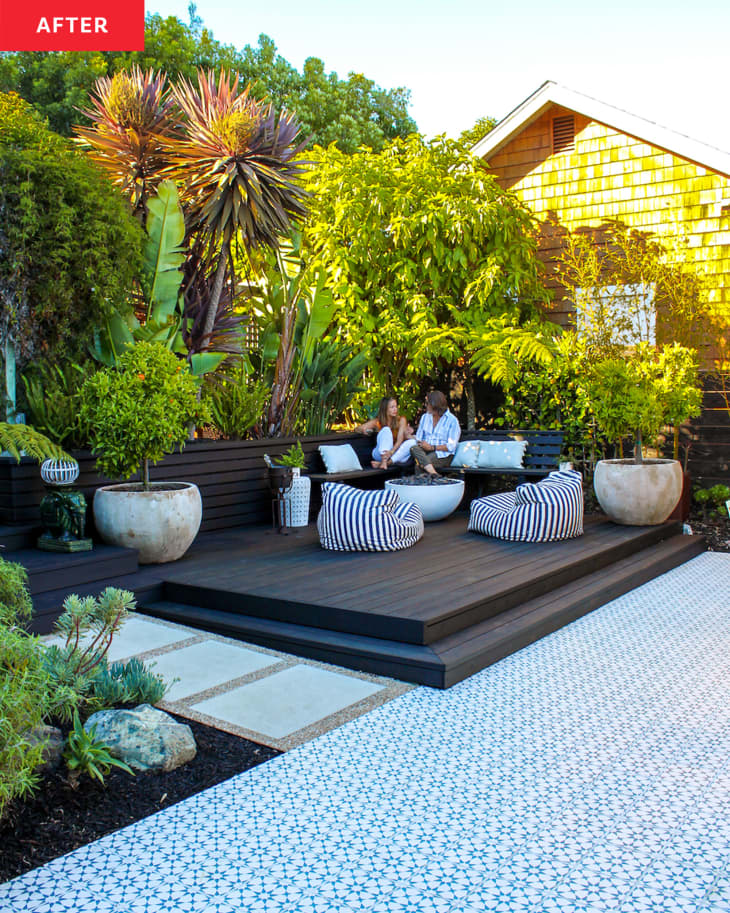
(563, 134)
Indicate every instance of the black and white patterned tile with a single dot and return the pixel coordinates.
(588, 773)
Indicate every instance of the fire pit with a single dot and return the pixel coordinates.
(437, 497)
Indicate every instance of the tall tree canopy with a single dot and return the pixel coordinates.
(420, 246)
(471, 136)
(351, 112)
(69, 249)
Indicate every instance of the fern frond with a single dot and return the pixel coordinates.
(17, 438)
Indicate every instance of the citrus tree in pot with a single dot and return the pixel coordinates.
(138, 411)
(634, 397)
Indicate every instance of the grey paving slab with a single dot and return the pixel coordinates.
(206, 665)
(139, 635)
(286, 701)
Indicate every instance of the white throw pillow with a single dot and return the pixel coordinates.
(339, 458)
(467, 455)
(501, 454)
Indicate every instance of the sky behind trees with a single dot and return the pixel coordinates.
(464, 59)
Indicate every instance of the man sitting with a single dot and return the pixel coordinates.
(437, 436)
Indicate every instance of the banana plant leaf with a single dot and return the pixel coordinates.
(206, 362)
(164, 253)
(113, 338)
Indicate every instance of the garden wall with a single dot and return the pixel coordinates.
(709, 455)
(231, 476)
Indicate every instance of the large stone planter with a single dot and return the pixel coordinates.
(161, 523)
(436, 500)
(638, 494)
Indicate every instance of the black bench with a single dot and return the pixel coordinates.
(542, 454)
(363, 446)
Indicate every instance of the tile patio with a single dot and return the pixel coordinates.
(588, 773)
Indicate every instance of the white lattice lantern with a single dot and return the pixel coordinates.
(59, 472)
(297, 499)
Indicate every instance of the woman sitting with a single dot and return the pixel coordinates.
(395, 435)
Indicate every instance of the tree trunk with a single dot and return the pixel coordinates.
(215, 295)
(146, 475)
(471, 405)
(638, 455)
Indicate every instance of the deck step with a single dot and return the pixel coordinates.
(53, 570)
(456, 656)
(486, 643)
(263, 588)
(18, 536)
(47, 606)
(408, 662)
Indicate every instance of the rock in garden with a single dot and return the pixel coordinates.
(53, 749)
(145, 738)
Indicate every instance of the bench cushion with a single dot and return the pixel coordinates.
(466, 455)
(366, 521)
(501, 454)
(339, 458)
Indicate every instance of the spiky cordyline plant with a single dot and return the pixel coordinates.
(235, 164)
(130, 114)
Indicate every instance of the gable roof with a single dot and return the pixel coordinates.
(550, 93)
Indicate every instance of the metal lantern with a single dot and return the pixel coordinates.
(60, 472)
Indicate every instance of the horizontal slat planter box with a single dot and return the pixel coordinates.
(231, 476)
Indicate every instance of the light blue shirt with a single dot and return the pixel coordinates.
(447, 431)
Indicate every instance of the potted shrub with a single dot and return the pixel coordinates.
(139, 411)
(631, 398)
(298, 493)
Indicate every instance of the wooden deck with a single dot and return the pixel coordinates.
(431, 614)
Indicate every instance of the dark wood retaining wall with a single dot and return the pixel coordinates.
(231, 476)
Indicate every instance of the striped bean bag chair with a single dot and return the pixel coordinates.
(352, 520)
(543, 512)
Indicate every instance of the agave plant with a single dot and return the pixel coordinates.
(130, 113)
(234, 161)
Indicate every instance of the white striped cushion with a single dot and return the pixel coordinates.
(543, 512)
(373, 521)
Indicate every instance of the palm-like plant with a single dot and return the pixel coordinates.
(235, 164)
(130, 113)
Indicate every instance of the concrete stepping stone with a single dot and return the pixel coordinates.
(287, 701)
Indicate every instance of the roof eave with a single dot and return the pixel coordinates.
(550, 93)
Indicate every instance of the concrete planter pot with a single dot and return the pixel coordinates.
(638, 494)
(161, 523)
(436, 501)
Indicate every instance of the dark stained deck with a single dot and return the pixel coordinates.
(431, 614)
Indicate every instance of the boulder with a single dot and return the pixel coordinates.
(52, 749)
(145, 738)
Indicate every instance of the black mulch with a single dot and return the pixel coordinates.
(716, 531)
(59, 819)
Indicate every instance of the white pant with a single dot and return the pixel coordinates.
(385, 442)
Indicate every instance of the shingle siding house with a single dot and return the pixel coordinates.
(579, 163)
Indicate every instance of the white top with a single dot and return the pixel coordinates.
(447, 431)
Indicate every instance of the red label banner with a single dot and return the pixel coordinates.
(71, 25)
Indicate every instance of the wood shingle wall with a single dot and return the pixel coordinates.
(611, 176)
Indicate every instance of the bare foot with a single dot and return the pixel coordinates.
(375, 464)
(430, 470)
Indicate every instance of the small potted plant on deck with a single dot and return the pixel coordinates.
(635, 397)
(297, 497)
(139, 411)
